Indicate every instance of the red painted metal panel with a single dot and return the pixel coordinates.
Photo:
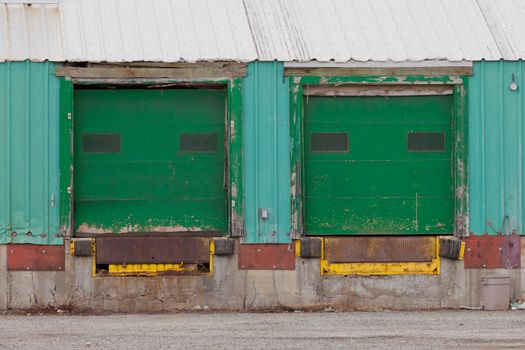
(266, 257)
(33, 257)
(491, 252)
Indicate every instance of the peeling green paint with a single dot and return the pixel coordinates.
(413, 79)
(66, 155)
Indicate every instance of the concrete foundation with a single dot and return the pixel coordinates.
(231, 289)
(4, 279)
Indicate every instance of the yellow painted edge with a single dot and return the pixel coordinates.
(93, 257)
(438, 258)
(366, 269)
(461, 251)
(297, 248)
(71, 247)
(147, 269)
(322, 250)
(212, 253)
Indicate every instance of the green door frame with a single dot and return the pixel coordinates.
(233, 126)
(459, 130)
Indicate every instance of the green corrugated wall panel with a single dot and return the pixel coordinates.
(266, 139)
(29, 154)
(496, 147)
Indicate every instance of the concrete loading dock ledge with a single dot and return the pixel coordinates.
(243, 156)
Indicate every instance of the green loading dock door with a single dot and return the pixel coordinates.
(378, 165)
(149, 160)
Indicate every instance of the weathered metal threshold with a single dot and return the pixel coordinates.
(379, 249)
(380, 255)
(152, 250)
(152, 256)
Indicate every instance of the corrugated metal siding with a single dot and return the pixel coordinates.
(506, 19)
(266, 157)
(29, 177)
(496, 147)
(30, 33)
(374, 30)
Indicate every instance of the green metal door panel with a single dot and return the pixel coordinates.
(427, 109)
(376, 183)
(266, 153)
(160, 179)
(378, 215)
(150, 216)
(29, 117)
(151, 181)
(393, 137)
(496, 147)
(338, 178)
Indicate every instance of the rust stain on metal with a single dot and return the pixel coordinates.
(148, 250)
(33, 257)
(379, 249)
(266, 257)
(491, 252)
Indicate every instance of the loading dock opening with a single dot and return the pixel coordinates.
(151, 152)
(407, 133)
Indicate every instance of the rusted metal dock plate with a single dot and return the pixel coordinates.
(379, 249)
(152, 250)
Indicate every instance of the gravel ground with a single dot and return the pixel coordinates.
(294, 330)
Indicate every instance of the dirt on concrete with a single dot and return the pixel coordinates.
(288, 330)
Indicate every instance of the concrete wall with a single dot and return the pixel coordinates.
(232, 289)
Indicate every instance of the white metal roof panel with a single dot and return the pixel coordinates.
(156, 30)
(371, 30)
(126, 31)
(30, 32)
(246, 30)
(506, 19)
